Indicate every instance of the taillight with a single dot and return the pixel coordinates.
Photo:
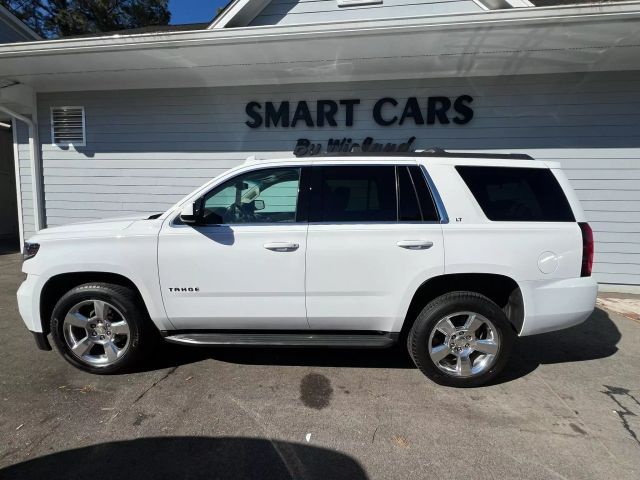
(587, 249)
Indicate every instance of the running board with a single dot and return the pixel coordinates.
(335, 340)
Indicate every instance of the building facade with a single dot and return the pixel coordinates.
(128, 125)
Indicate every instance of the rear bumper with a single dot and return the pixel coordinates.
(556, 304)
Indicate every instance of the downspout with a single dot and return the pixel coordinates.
(34, 162)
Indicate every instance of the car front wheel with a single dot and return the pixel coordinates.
(461, 339)
(99, 327)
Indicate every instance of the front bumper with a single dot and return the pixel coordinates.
(28, 295)
(42, 342)
(556, 304)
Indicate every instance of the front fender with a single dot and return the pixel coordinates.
(133, 257)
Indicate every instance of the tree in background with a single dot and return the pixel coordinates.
(61, 18)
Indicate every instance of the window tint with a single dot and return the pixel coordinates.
(517, 194)
(356, 194)
(262, 196)
(408, 208)
(427, 206)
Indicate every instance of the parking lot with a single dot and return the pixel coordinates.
(568, 407)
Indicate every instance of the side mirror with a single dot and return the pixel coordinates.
(258, 205)
(189, 214)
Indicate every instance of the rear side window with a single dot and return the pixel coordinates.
(408, 206)
(356, 194)
(517, 194)
(427, 205)
(414, 198)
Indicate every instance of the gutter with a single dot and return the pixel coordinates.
(34, 162)
(627, 11)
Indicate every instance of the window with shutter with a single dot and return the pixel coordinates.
(68, 126)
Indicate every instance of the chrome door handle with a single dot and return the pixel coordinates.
(281, 246)
(415, 244)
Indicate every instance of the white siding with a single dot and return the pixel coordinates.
(146, 149)
(28, 219)
(289, 12)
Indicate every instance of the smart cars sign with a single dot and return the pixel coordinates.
(386, 112)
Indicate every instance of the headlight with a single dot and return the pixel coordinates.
(30, 250)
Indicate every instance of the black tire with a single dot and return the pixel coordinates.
(127, 302)
(448, 304)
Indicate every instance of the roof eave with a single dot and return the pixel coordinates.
(508, 42)
(344, 28)
(340, 28)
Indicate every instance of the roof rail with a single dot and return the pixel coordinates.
(431, 152)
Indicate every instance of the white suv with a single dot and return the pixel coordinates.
(455, 254)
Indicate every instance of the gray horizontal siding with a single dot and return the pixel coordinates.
(620, 217)
(146, 149)
(288, 12)
(617, 278)
(605, 236)
(617, 248)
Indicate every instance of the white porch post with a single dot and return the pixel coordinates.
(18, 98)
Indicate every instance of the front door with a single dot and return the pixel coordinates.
(374, 237)
(244, 267)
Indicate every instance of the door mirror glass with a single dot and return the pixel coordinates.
(258, 205)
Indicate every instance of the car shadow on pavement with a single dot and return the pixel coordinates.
(596, 338)
(171, 355)
(195, 458)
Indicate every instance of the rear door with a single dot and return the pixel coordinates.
(374, 237)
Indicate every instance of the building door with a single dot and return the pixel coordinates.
(9, 234)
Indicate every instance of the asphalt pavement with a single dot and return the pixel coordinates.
(568, 407)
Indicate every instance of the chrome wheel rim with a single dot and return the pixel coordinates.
(464, 344)
(96, 332)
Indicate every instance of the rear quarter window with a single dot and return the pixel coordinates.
(517, 194)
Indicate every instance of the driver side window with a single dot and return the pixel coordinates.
(262, 196)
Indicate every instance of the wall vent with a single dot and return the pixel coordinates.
(68, 126)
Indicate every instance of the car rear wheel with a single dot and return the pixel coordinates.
(100, 327)
(461, 339)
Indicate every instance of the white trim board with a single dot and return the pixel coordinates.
(18, 24)
(16, 163)
(239, 14)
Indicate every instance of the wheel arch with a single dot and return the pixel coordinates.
(501, 289)
(59, 284)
